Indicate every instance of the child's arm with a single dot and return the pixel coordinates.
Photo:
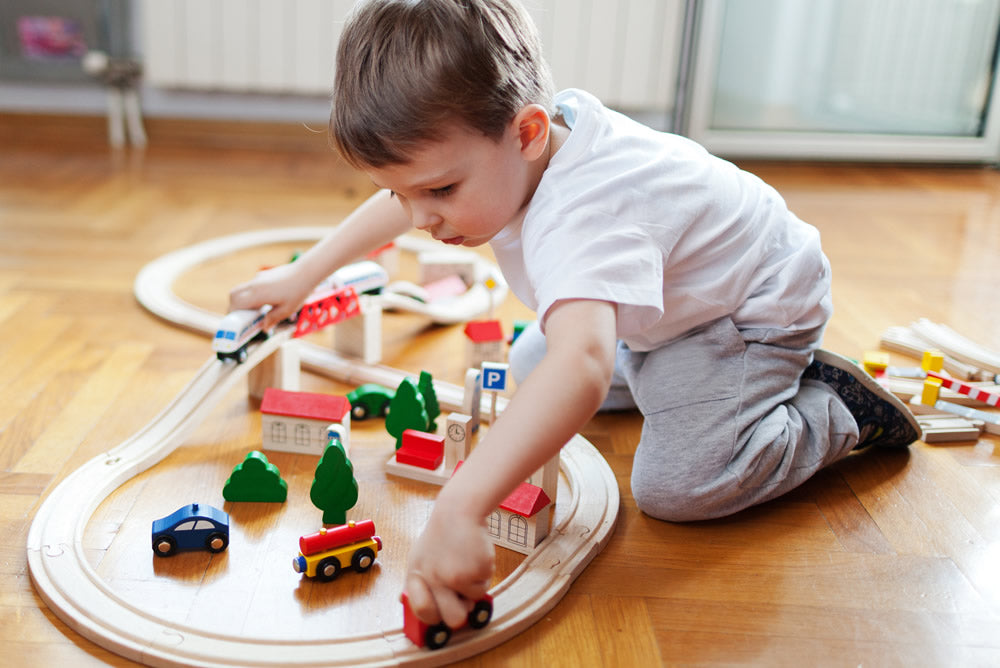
(375, 223)
(452, 561)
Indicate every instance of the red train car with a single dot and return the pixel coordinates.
(328, 551)
(436, 636)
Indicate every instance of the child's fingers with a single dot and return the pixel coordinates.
(421, 600)
(277, 315)
(243, 297)
(453, 608)
(473, 591)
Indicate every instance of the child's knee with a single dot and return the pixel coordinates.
(665, 507)
(673, 503)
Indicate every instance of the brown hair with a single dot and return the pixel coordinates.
(406, 67)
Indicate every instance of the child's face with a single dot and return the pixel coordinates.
(465, 188)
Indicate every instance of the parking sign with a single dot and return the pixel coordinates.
(495, 376)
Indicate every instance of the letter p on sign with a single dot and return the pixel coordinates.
(495, 376)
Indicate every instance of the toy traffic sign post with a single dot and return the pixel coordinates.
(494, 379)
(490, 287)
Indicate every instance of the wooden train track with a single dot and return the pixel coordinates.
(77, 594)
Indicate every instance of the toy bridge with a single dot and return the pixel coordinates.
(327, 309)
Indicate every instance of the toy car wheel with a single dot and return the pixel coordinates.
(363, 559)
(359, 412)
(480, 614)
(164, 546)
(241, 355)
(216, 542)
(437, 636)
(384, 410)
(328, 569)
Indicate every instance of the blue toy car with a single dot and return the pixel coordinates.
(193, 527)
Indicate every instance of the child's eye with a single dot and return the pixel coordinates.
(444, 191)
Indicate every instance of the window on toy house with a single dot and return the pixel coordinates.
(517, 530)
(493, 523)
(301, 434)
(278, 434)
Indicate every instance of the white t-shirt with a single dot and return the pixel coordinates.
(671, 234)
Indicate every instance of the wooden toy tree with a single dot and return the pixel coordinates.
(255, 479)
(406, 411)
(426, 387)
(334, 489)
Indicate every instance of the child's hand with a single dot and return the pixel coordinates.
(283, 287)
(450, 567)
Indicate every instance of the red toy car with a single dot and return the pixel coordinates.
(436, 636)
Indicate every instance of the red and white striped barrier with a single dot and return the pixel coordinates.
(969, 390)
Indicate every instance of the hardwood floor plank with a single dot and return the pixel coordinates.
(627, 634)
(56, 444)
(833, 579)
(873, 476)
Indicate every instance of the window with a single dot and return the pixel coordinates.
(493, 523)
(278, 434)
(517, 530)
(302, 434)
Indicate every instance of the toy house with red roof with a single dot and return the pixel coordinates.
(486, 343)
(522, 520)
(300, 422)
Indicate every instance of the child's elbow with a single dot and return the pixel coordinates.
(596, 368)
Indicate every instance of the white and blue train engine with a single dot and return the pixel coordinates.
(366, 277)
(236, 331)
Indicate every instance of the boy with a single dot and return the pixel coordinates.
(633, 246)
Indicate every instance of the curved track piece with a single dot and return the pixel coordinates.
(154, 284)
(73, 590)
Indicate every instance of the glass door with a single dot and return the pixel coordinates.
(900, 80)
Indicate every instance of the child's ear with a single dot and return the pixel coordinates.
(532, 124)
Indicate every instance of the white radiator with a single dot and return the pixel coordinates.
(624, 52)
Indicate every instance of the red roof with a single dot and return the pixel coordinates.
(526, 500)
(481, 331)
(307, 405)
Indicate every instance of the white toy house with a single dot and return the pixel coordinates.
(485, 343)
(522, 520)
(300, 421)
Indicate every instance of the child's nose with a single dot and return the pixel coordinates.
(424, 219)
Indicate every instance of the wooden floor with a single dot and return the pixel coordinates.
(884, 559)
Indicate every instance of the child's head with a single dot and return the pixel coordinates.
(407, 69)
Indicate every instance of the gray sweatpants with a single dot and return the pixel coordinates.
(728, 421)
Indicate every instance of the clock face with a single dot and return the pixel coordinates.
(456, 432)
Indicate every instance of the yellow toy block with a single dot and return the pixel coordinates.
(932, 388)
(933, 360)
(875, 361)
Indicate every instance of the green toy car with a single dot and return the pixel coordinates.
(369, 400)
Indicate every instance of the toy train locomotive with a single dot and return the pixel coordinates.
(238, 329)
(436, 636)
(324, 554)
